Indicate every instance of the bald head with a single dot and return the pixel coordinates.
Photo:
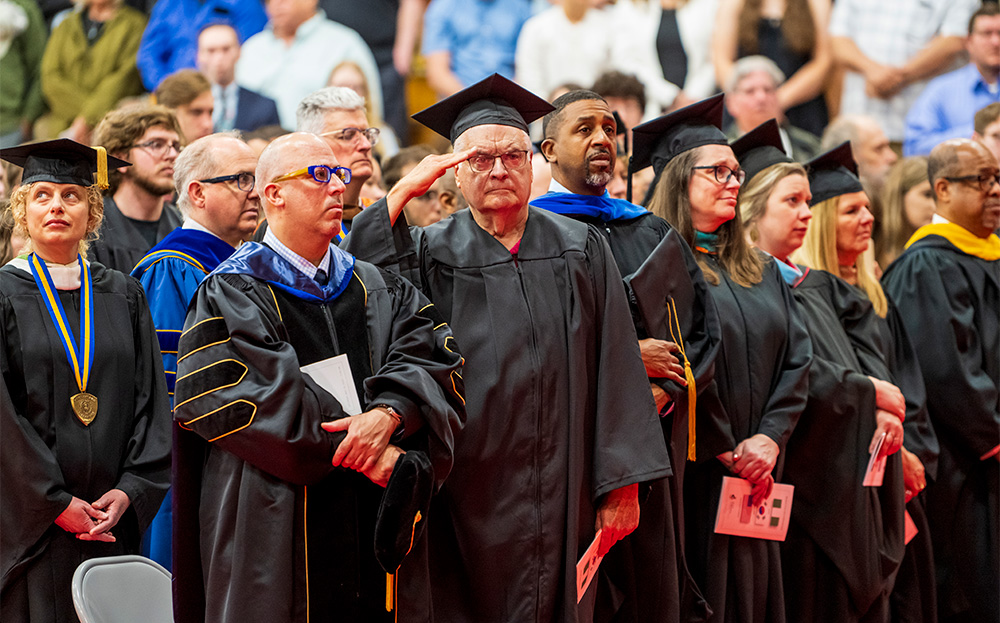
(871, 147)
(289, 153)
(303, 212)
(964, 177)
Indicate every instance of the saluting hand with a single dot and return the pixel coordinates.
(420, 178)
(618, 516)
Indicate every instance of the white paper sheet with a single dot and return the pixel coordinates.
(334, 375)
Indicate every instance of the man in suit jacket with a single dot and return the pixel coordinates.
(236, 108)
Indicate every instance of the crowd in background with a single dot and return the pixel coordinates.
(223, 64)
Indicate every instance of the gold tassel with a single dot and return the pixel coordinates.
(102, 168)
(390, 592)
(692, 399)
(390, 582)
(688, 376)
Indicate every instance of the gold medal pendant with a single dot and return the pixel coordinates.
(85, 407)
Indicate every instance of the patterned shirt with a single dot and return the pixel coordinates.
(891, 32)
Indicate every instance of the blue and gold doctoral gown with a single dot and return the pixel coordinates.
(170, 275)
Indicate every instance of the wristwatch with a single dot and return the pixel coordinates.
(392, 412)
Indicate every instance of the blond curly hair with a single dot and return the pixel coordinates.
(19, 210)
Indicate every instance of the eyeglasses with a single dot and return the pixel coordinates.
(244, 181)
(510, 160)
(985, 180)
(159, 147)
(349, 135)
(319, 172)
(723, 173)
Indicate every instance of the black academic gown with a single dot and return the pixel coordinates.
(760, 386)
(845, 541)
(120, 245)
(647, 575)
(274, 531)
(914, 595)
(48, 455)
(559, 407)
(949, 301)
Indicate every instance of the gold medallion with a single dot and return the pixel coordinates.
(85, 407)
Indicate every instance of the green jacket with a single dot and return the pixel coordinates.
(80, 79)
(20, 89)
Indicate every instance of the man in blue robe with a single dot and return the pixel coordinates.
(214, 177)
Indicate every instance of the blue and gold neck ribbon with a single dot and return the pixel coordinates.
(81, 355)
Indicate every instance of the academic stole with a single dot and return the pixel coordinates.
(84, 404)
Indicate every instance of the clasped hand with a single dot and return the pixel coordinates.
(366, 448)
(754, 459)
(93, 522)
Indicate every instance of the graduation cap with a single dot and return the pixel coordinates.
(493, 100)
(62, 161)
(760, 148)
(402, 515)
(833, 174)
(659, 141)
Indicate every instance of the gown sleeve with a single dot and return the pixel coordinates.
(240, 387)
(918, 432)
(170, 284)
(791, 386)
(391, 247)
(421, 375)
(626, 413)
(942, 323)
(30, 480)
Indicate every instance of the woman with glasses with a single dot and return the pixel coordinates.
(843, 536)
(745, 418)
(839, 242)
(83, 404)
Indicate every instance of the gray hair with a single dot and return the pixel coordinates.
(846, 128)
(751, 65)
(197, 162)
(309, 116)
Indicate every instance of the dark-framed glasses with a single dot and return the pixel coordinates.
(244, 181)
(724, 173)
(482, 163)
(319, 172)
(985, 180)
(159, 147)
(349, 135)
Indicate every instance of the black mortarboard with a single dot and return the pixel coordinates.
(493, 100)
(62, 161)
(402, 515)
(760, 148)
(659, 141)
(833, 174)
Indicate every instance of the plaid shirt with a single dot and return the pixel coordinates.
(302, 264)
(891, 32)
